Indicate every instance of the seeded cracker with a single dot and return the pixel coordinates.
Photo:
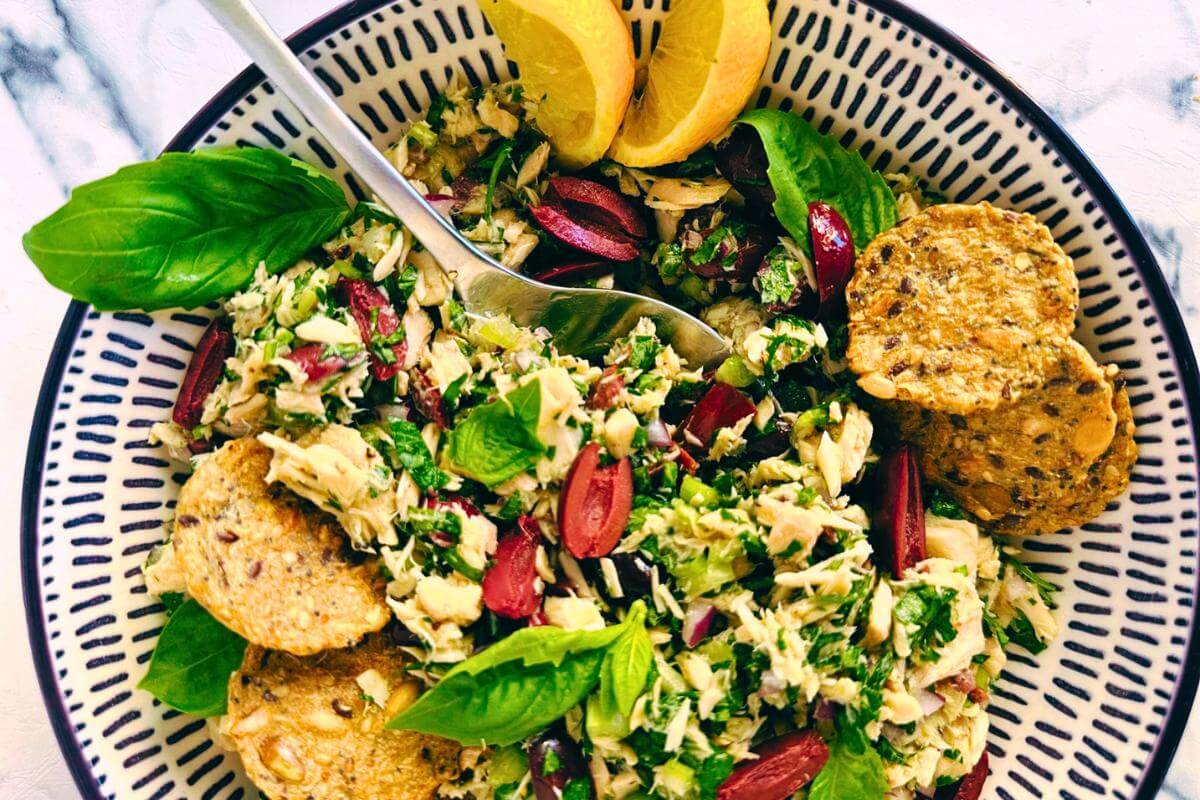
(307, 727)
(959, 308)
(1023, 455)
(265, 564)
(1106, 479)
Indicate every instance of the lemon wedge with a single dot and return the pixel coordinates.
(576, 58)
(709, 57)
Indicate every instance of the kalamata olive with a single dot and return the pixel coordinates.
(584, 234)
(784, 765)
(376, 317)
(316, 365)
(464, 189)
(428, 398)
(742, 160)
(203, 373)
(399, 635)
(597, 202)
(575, 271)
(605, 390)
(970, 786)
(510, 583)
(899, 525)
(736, 258)
(833, 256)
(555, 761)
(771, 443)
(635, 574)
(594, 504)
(720, 407)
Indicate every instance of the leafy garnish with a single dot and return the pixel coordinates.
(805, 166)
(623, 677)
(780, 278)
(1021, 631)
(711, 773)
(192, 662)
(930, 611)
(992, 627)
(186, 228)
(499, 440)
(503, 157)
(854, 771)
(1045, 588)
(945, 506)
(404, 448)
(518, 686)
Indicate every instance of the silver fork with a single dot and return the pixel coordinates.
(582, 321)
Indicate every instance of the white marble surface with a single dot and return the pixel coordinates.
(88, 85)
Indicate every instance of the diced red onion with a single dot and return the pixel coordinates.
(823, 710)
(442, 203)
(929, 701)
(771, 685)
(523, 359)
(697, 622)
(657, 434)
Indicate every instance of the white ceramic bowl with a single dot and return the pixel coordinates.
(1098, 714)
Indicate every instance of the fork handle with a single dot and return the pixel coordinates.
(248, 27)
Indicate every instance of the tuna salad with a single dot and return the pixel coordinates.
(422, 553)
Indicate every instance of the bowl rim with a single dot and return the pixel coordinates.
(1178, 707)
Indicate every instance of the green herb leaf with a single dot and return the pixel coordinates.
(503, 156)
(642, 351)
(1021, 631)
(192, 662)
(516, 687)
(851, 773)
(499, 440)
(711, 773)
(186, 228)
(944, 505)
(781, 279)
(992, 627)
(1045, 588)
(804, 167)
(623, 677)
(930, 611)
(408, 450)
(430, 520)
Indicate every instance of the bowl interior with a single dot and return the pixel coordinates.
(1090, 716)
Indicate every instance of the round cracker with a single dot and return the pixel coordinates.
(267, 565)
(1024, 455)
(959, 308)
(305, 729)
(1105, 480)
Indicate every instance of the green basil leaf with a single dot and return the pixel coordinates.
(850, 774)
(171, 601)
(515, 688)
(192, 662)
(186, 228)
(499, 440)
(623, 677)
(805, 166)
(409, 451)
